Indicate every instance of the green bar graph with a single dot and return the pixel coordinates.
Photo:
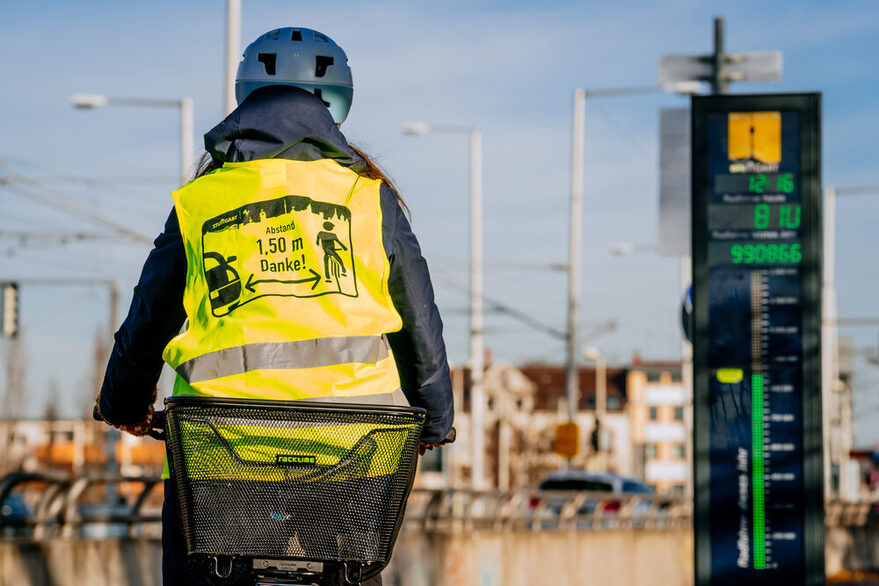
(757, 481)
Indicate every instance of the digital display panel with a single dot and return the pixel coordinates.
(756, 297)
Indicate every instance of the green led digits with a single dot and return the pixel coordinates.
(761, 216)
(758, 183)
(765, 253)
(761, 182)
(788, 216)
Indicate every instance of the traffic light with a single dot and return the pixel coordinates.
(10, 310)
(595, 437)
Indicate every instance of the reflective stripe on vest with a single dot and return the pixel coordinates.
(283, 355)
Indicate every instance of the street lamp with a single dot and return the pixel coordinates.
(578, 138)
(91, 101)
(477, 353)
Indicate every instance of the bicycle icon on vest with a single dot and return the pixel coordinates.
(334, 267)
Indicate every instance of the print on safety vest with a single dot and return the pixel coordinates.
(292, 246)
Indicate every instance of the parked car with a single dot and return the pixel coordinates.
(14, 514)
(580, 480)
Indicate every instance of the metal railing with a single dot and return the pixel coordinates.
(51, 505)
(534, 510)
(57, 505)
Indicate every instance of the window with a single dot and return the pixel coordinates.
(650, 451)
(679, 451)
(679, 413)
(654, 414)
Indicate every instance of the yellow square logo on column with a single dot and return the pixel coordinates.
(754, 136)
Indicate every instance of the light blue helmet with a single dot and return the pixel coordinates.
(300, 57)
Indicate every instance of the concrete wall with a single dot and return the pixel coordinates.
(65, 562)
(564, 558)
(484, 558)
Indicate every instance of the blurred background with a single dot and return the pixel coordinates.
(84, 190)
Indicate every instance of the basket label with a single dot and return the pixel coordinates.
(295, 460)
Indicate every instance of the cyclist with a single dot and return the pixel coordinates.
(276, 171)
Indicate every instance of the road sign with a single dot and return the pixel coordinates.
(757, 347)
(674, 182)
(567, 440)
(756, 66)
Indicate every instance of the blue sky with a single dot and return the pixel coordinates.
(508, 68)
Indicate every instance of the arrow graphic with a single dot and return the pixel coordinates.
(314, 279)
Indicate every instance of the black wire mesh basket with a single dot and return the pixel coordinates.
(291, 479)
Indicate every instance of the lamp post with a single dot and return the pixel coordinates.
(477, 352)
(91, 101)
(233, 52)
(578, 139)
(597, 355)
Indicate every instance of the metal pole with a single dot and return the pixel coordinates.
(114, 306)
(186, 139)
(600, 387)
(828, 343)
(719, 85)
(577, 147)
(233, 50)
(477, 353)
(601, 409)
(686, 278)
(113, 436)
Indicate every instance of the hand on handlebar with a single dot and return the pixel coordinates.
(450, 438)
(147, 427)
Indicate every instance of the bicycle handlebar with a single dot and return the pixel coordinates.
(157, 427)
(450, 437)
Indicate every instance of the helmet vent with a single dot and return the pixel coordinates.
(296, 36)
(321, 64)
(321, 37)
(274, 35)
(268, 60)
(320, 96)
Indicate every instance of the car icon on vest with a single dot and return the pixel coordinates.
(224, 284)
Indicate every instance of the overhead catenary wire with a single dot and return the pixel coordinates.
(107, 180)
(24, 235)
(498, 306)
(36, 191)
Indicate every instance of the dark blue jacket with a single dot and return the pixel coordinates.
(288, 123)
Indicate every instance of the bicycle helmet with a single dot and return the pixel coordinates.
(300, 57)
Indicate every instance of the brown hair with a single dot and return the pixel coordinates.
(205, 165)
(372, 171)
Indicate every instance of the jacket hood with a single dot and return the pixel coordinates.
(279, 122)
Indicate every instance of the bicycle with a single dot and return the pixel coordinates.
(302, 491)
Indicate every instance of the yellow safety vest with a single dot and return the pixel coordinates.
(287, 284)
